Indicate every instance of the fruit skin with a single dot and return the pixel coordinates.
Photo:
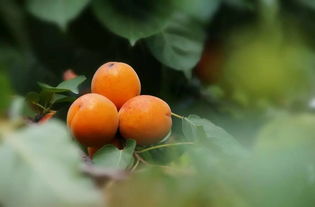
(117, 81)
(146, 119)
(93, 120)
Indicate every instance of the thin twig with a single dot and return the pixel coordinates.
(177, 116)
(141, 159)
(164, 145)
(135, 166)
(165, 167)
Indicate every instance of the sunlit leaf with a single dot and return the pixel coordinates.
(65, 86)
(111, 157)
(40, 166)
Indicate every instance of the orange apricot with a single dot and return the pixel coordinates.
(146, 119)
(93, 120)
(117, 81)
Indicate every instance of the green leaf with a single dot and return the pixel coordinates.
(203, 10)
(180, 44)
(308, 3)
(46, 98)
(134, 19)
(65, 86)
(41, 166)
(60, 12)
(59, 98)
(111, 157)
(241, 4)
(204, 131)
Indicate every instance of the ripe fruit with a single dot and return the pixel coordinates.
(117, 81)
(93, 120)
(146, 119)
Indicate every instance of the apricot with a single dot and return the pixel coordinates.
(146, 119)
(117, 81)
(93, 120)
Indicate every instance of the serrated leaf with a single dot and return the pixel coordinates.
(65, 86)
(111, 157)
(133, 20)
(40, 166)
(179, 45)
(203, 130)
(60, 12)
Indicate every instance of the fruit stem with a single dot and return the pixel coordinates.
(135, 165)
(177, 116)
(140, 159)
(163, 145)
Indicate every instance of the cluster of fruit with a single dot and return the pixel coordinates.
(116, 109)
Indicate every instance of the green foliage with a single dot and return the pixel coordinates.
(133, 19)
(267, 59)
(111, 157)
(65, 86)
(50, 96)
(214, 137)
(35, 173)
(60, 12)
(241, 4)
(180, 44)
(308, 3)
(202, 10)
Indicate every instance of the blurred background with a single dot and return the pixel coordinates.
(240, 63)
(229, 59)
